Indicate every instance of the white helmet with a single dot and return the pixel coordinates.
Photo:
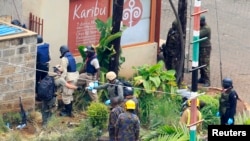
(110, 75)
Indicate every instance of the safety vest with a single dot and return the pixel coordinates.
(43, 53)
(90, 68)
(189, 116)
(72, 62)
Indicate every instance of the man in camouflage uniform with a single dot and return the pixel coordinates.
(128, 125)
(113, 116)
(172, 48)
(204, 52)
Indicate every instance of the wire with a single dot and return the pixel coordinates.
(218, 33)
(16, 10)
(137, 88)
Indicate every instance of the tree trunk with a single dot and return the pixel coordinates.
(116, 23)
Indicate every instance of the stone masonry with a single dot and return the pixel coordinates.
(17, 71)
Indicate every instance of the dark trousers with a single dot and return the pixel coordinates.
(41, 71)
(224, 119)
(46, 109)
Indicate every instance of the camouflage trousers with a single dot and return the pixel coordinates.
(204, 59)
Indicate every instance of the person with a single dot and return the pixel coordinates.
(71, 75)
(127, 126)
(42, 61)
(114, 86)
(129, 94)
(90, 71)
(186, 115)
(227, 102)
(172, 48)
(204, 52)
(113, 116)
(48, 106)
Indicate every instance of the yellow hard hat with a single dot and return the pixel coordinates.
(111, 75)
(197, 102)
(130, 104)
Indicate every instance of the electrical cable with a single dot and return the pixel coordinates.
(153, 91)
(218, 33)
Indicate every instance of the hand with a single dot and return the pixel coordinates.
(229, 121)
(107, 102)
(96, 84)
(218, 114)
(89, 88)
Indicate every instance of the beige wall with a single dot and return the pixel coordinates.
(55, 15)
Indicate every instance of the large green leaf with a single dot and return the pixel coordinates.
(156, 80)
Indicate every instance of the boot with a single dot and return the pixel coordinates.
(201, 80)
(65, 111)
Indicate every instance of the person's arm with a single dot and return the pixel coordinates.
(204, 32)
(120, 91)
(64, 64)
(137, 129)
(70, 86)
(63, 82)
(232, 103)
(117, 124)
(96, 64)
(104, 86)
(184, 118)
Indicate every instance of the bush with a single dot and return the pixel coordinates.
(98, 114)
(3, 127)
(85, 131)
(209, 111)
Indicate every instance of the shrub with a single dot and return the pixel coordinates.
(98, 114)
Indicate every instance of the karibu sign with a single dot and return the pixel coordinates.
(82, 29)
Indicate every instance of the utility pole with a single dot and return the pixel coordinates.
(116, 24)
(195, 67)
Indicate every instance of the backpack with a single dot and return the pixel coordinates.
(46, 88)
(124, 83)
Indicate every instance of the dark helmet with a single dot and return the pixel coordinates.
(202, 20)
(16, 22)
(89, 49)
(39, 39)
(64, 49)
(174, 23)
(128, 91)
(227, 83)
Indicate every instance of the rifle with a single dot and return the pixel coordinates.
(23, 115)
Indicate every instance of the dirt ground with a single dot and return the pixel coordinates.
(34, 129)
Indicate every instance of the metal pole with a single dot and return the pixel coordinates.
(195, 63)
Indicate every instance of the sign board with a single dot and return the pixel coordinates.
(82, 28)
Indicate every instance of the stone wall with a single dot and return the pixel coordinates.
(17, 71)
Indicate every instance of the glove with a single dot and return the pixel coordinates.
(89, 88)
(229, 121)
(218, 114)
(96, 84)
(107, 102)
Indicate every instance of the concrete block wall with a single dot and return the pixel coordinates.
(17, 71)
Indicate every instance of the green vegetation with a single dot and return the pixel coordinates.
(98, 114)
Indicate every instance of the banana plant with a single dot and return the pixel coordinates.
(104, 48)
(154, 78)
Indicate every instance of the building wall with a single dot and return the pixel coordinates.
(17, 71)
(55, 15)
